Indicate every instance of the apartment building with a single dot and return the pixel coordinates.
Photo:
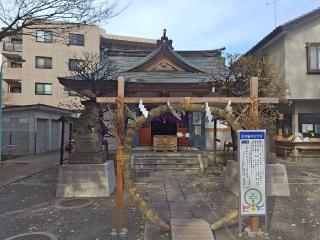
(48, 57)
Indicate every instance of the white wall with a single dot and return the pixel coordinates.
(223, 134)
(302, 85)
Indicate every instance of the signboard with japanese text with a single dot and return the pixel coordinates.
(252, 172)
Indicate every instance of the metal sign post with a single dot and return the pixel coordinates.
(252, 173)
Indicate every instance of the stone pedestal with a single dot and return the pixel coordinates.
(276, 179)
(86, 180)
(88, 149)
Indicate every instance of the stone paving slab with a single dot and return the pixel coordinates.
(176, 199)
(180, 210)
(175, 196)
(187, 229)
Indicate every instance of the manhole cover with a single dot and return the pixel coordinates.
(74, 203)
(33, 236)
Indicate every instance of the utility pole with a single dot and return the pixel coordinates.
(275, 5)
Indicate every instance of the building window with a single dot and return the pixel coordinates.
(43, 89)
(44, 62)
(313, 50)
(74, 64)
(15, 45)
(14, 86)
(44, 36)
(309, 124)
(76, 39)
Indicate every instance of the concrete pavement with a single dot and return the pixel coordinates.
(26, 166)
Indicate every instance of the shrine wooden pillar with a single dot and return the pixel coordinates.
(119, 155)
(254, 92)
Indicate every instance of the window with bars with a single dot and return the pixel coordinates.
(44, 62)
(313, 57)
(43, 89)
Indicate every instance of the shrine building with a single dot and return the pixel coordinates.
(165, 72)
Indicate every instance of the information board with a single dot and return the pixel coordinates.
(252, 169)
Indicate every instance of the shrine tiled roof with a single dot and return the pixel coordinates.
(204, 62)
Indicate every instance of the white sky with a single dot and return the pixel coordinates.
(205, 24)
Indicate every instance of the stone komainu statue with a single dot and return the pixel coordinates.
(88, 122)
(88, 139)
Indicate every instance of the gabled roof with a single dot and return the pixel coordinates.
(205, 60)
(279, 31)
(164, 59)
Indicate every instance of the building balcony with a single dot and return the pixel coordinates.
(12, 47)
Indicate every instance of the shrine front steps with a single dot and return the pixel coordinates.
(162, 161)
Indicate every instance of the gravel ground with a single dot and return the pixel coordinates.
(291, 218)
(29, 206)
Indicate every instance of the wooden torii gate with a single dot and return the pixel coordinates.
(121, 100)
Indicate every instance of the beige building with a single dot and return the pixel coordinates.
(48, 57)
(294, 49)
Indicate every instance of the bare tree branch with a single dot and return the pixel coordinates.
(94, 70)
(23, 16)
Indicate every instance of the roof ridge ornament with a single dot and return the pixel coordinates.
(165, 41)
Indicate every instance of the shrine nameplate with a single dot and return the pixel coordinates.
(252, 172)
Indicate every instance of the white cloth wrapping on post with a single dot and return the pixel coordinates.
(209, 113)
(143, 109)
(228, 107)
